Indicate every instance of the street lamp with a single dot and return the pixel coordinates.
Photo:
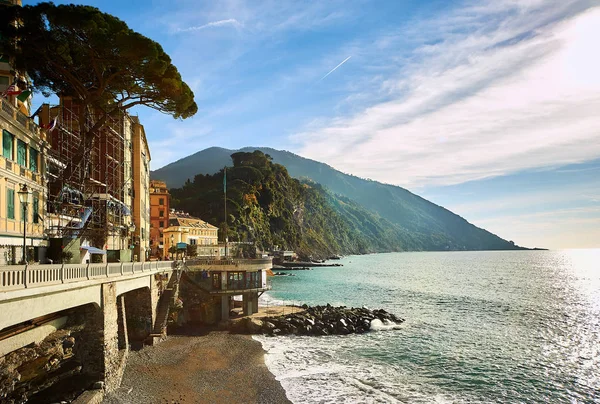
(131, 228)
(171, 246)
(24, 196)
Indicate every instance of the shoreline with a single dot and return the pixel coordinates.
(200, 365)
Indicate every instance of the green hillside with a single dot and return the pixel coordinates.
(408, 221)
(267, 206)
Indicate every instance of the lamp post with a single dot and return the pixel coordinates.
(24, 196)
(131, 228)
(171, 246)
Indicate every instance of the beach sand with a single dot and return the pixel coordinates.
(206, 367)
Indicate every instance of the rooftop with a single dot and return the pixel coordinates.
(180, 218)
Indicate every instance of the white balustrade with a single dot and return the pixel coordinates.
(29, 276)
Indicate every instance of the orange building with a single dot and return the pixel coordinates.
(159, 216)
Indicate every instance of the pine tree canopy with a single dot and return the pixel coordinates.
(93, 56)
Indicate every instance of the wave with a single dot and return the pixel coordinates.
(378, 325)
(335, 369)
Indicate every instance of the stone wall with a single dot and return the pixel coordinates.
(114, 359)
(92, 346)
(138, 314)
(64, 355)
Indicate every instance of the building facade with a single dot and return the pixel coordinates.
(191, 231)
(22, 163)
(89, 198)
(159, 217)
(141, 192)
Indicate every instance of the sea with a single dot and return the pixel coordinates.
(481, 327)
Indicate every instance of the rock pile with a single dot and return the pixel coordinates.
(319, 320)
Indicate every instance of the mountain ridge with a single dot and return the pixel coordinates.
(423, 225)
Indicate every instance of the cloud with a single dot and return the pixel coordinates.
(492, 89)
(212, 24)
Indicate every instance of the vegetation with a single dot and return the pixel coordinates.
(388, 217)
(79, 51)
(265, 205)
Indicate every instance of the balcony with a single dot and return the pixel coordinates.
(206, 264)
(14, 115)
(21, 171)
(236, 283)
(229, 276)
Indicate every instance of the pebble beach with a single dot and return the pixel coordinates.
(207, 367)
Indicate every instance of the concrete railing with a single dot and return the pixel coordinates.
(16, 115)
(232, 262)
(30, 276)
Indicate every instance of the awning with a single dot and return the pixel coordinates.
(181, 246)
(93, 250)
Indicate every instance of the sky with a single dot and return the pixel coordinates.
(490, 108)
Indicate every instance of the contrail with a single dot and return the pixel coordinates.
(335, 68)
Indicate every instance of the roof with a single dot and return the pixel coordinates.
(177, 218)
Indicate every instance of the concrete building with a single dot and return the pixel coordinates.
(225, 280)
(192, 231)
(141, 192)
(159, 217)
(22, 163)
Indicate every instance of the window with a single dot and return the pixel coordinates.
(35, 209)
(3, 59)
(161, 201)
(33, 160)
(161, 224)
(235, 280)
(216, 277)
(7, 144)
(161, 213)
(21, 153)
(193, 241)
(10, 203)
(252, 280)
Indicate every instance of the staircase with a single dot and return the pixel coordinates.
(162, 311)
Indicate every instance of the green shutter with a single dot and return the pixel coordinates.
(7, 144)
(10, 203)
(36, 207)
(33, 157)
(21, 153)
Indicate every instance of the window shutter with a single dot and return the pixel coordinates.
(10, 203)
(7, 144)
(21, 153)
(36, 207)
(33, 157)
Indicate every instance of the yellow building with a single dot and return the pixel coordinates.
(22, 164)
(192, 231)
(141, 191)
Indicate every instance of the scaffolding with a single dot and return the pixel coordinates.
(89, 195)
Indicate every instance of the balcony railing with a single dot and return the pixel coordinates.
(7, 108)
(233, 262)
(14, 114)
(212, 282)
(22, 118)
(31, 276)
(23, 171)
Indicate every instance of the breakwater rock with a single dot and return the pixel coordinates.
(322, 320)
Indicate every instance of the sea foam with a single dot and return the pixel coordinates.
(378, 325)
